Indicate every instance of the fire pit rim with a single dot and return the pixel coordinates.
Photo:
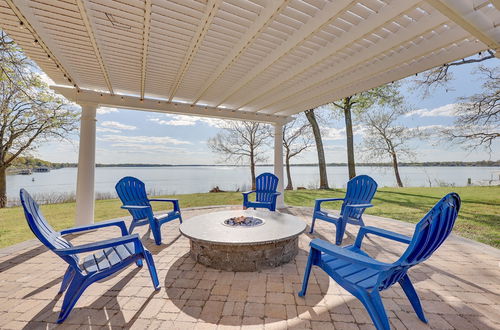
(269, 216)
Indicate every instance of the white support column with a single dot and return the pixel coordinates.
(278, 163)
(86, 166)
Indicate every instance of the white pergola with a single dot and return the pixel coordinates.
(260, 60)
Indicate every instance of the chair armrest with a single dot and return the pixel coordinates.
(317, 204)
(359, 206)
(135, 207)
(380, 232)
(102, 245)
(248, 192)
(343, 253)
(169, 200)
(119, 223)
(164, 200)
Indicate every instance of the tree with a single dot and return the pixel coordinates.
(384, 137)
(297, 137)
(478, 116)
(30, 112)
(477, 121)
(323, 179)
(240, 141)
(381, 96)
(440, 76)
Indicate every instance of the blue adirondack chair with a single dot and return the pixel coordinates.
(364, 277)
(132, 193)
(265, 192)
(109, 257)
(359, 194)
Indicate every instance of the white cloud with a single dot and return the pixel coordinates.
(335, 148)
(117, 125)
(141, 140)
(107, 130)
(105, 110)
(181, 120)
(333, 133)
(447, 110)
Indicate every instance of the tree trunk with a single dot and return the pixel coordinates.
(3, 187)
(252, 169)
(323, 179)
(289, 185)
(396, 169)
(349, 136)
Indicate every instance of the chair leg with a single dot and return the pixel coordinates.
(412, 295)
(375, 307)
(340, 230)
(180, 218)
(139, 262)
(312, 225)
(131, 227)
(156, 229)
(75, 290)
(68, 276)
(307, 272)
(152, 269)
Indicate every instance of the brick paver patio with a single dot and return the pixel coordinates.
(459, 287)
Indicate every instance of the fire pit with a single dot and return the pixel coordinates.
(246, 240)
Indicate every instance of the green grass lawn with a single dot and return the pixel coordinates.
(479, 218)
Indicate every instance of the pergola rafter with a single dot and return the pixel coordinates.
(265, 18)
(325, 17)
(455, 16)
(211, 10)
(357, 33)
(90, 31)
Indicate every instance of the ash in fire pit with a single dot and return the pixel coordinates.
(243, 222)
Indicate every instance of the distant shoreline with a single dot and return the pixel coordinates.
(54, 166)
(425, 164)
(452, 164)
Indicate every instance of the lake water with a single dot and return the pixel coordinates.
(195, 179)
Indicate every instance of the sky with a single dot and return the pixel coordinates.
(132, 136)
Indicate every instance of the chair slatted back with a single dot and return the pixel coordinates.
(360, 190)
(429, 234)
(132, 191)
(265, 185)
(41, 228)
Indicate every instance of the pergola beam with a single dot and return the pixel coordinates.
(136, 103)
(459, 19)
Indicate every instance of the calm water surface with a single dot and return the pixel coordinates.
(195, 179)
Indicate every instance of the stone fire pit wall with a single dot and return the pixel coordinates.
(244, 258)
(270, 243)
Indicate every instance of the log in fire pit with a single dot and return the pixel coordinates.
(243, 221)
(246, 240)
